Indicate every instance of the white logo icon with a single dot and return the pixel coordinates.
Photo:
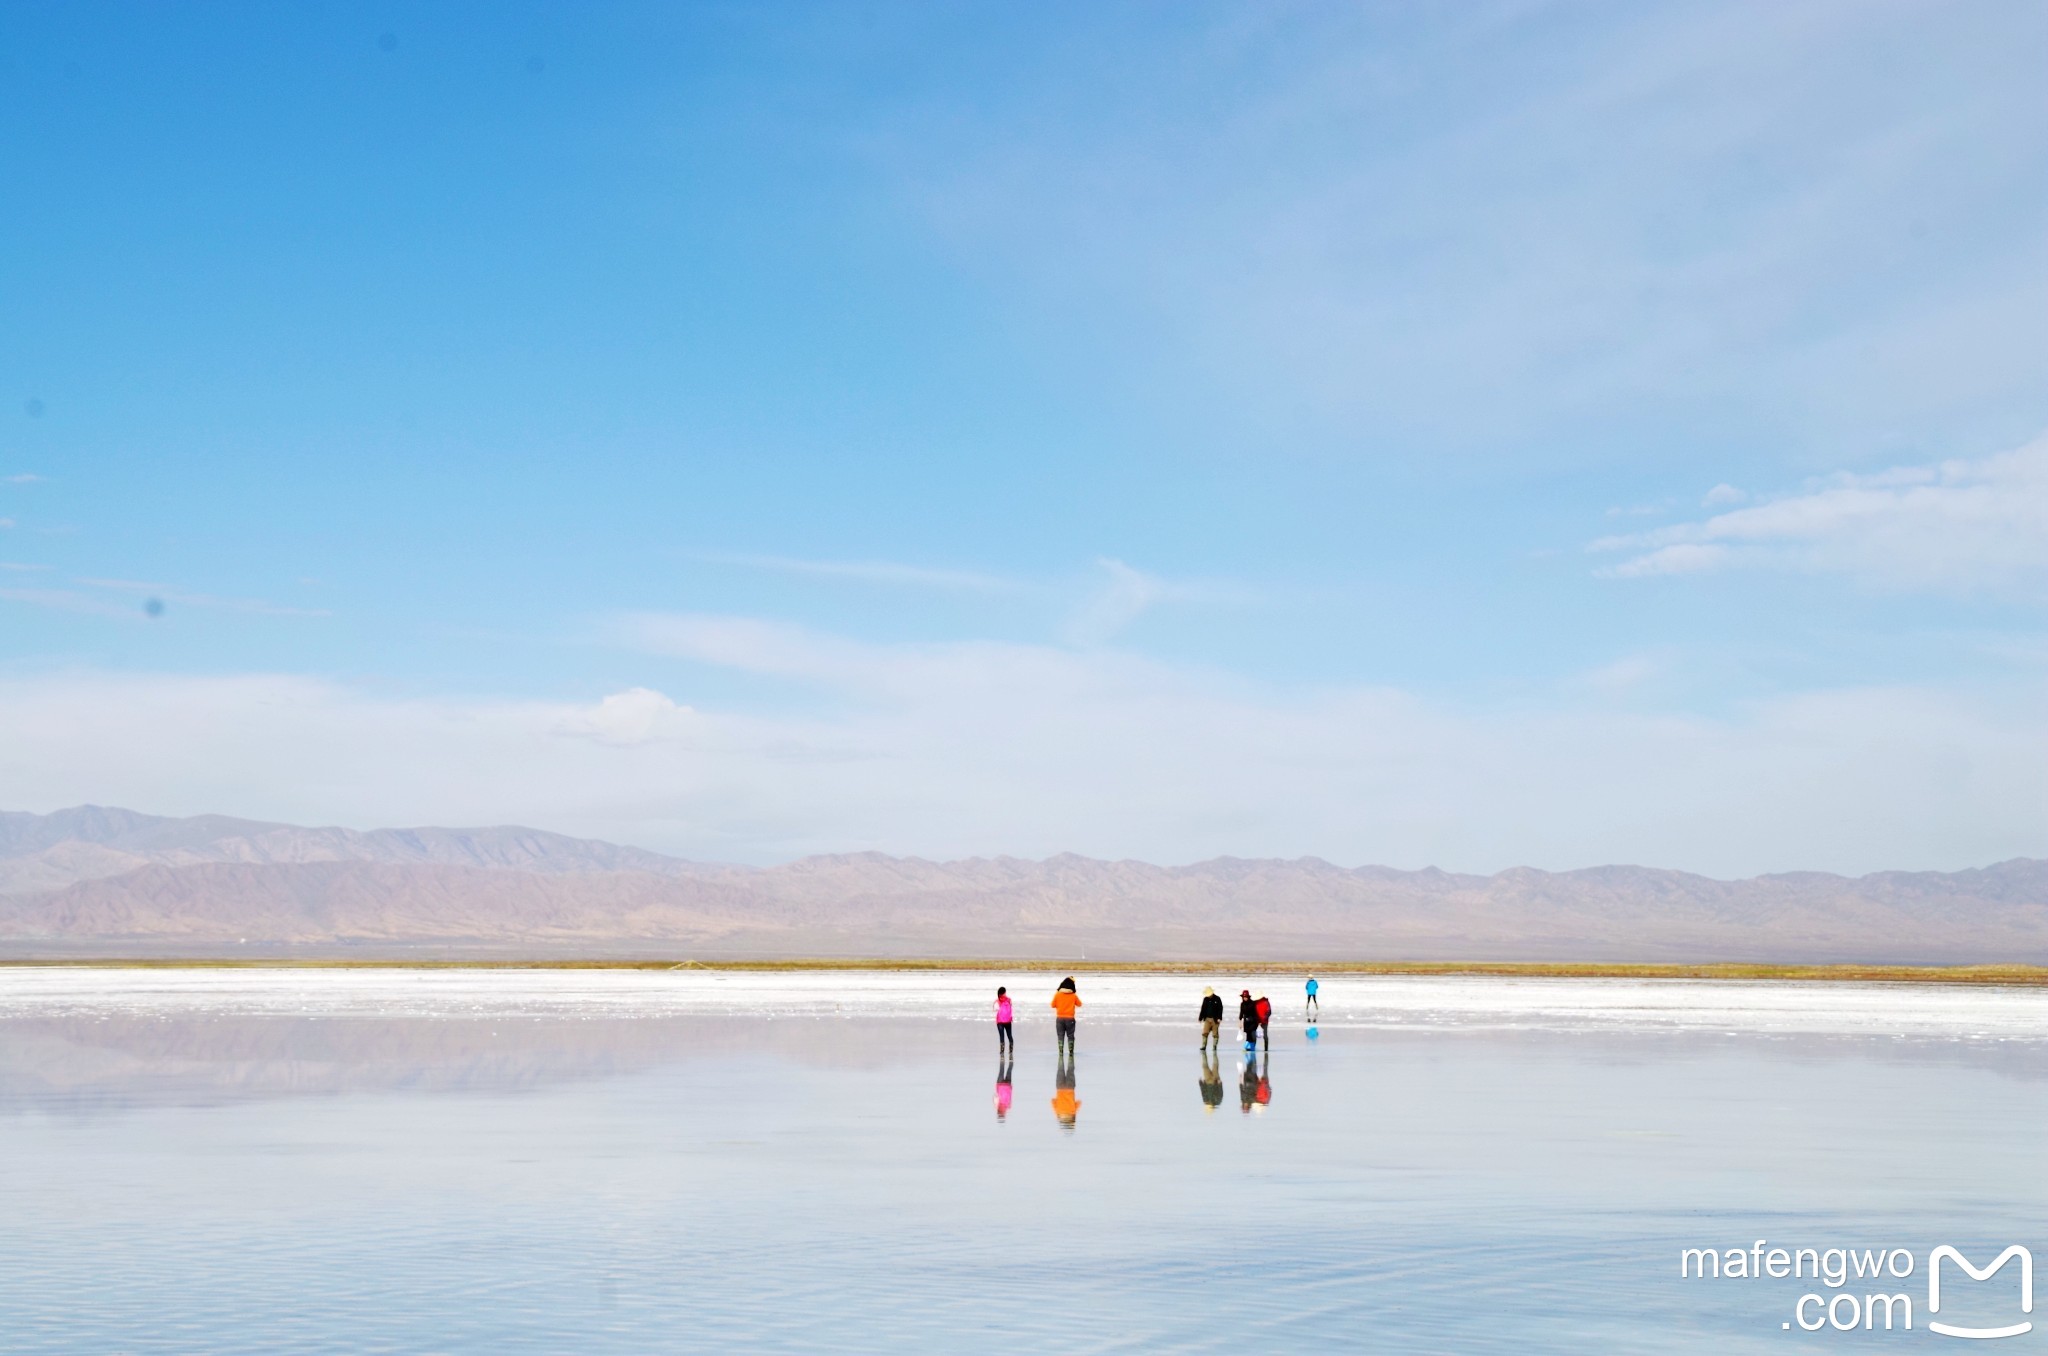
(1934, 1289)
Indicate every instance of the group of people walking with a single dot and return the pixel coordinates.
(1254, 1016)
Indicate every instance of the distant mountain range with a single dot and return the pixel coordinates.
(90, 881)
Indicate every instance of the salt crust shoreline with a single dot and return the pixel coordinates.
(1349, 1001)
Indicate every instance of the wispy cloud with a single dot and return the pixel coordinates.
(1124, 593)
(890, 573)
(182, 598)
(1953, 525)
(91, 597)
(1623, 675)
(1115, 604)
(71, 600)
(22, 478)
(20, 567)
(1111, 597)
(1287, 209)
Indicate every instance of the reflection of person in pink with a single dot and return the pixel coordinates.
(1003, 1088)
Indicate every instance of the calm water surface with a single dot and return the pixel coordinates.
(504, 1162)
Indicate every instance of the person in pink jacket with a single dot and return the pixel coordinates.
(1004, 1040)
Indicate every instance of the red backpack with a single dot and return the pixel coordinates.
(1265, 1010)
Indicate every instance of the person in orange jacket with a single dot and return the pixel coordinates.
(1065, 1003)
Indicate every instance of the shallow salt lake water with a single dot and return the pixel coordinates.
(491, 1161)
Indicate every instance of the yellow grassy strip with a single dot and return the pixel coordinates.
(1895, 974)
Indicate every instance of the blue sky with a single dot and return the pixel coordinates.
(1470, 435)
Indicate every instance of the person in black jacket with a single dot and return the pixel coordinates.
(1248, 1018)
(1212, 1020)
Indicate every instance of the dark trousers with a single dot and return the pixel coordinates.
(1004, 1040)
(1063, 1031)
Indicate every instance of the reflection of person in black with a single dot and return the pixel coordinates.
(1212, 1082)
(1065, 1104)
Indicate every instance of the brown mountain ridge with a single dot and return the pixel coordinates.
(91, 880)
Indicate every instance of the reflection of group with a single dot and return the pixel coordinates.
(1254, 1083)
(1254, 1016)
(1254, 1088)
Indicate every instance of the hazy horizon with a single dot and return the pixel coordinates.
(1446, 868)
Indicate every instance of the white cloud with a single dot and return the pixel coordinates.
(1954, 525)
(1723, 494)
(1679, 558)
(957, 749)
(24, 478)
(634, 716)
(874, 572)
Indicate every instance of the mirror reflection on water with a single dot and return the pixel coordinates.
(498, 1161)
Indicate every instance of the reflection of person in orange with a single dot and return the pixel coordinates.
(1254, 1089)
(1002, 1087)
(1065, 1104)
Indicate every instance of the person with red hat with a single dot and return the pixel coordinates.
(1248, 1018)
